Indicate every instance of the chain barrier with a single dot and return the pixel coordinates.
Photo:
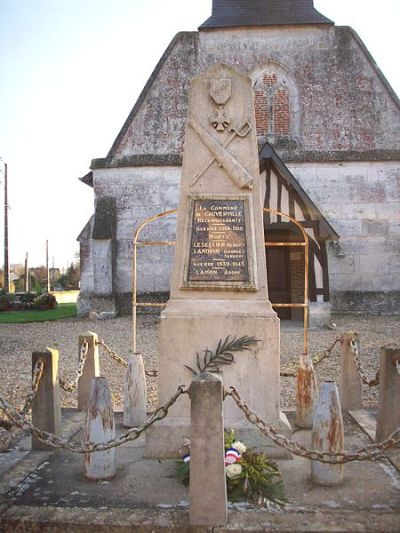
(36, 378)
(4, 421)
(55, 441)
(113, 354)
(290, 370)
(71, 386)
(357, 361)
(326, 353)
(371, 451)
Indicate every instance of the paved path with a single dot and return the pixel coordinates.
(46, 491)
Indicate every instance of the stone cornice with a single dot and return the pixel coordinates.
(308, 156)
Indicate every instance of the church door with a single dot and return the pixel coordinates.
(279, 279)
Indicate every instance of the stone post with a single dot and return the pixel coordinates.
(306, 392)
(91, 369)
(135, 393)
(208, 501)
(327, 435)
(46, 410)
(389, 392)
(350, 384)
(100, 428)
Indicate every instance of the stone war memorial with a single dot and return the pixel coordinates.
(219, 279)
(185, 427)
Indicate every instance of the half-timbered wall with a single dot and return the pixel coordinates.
(279, 196)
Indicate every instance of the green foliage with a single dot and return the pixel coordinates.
(258, 482)
(183, 472)
(223, 355)
(229, 438)
(70, 280)
(6, 301)
(37, 288)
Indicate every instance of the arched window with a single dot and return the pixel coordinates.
(276, 103)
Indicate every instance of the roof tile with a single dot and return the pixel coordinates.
(229, 13)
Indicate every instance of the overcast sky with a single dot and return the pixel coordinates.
(70, 72)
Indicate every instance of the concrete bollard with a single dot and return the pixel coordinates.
(46, 409)
(91, 369)
(327, 435)
(350, 383)
(306, 392)
(135, 393)
(208, 500)
(100, 428)
(389, 392)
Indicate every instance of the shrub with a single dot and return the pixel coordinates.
(45, 301)
(28, 297)
(6, 302)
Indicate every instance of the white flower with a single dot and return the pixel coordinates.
(239, 446)
(233, 471)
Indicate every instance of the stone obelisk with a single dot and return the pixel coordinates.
(219, 279)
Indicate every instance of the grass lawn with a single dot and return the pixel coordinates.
(63, 311)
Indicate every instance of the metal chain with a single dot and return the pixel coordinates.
(326, 353)
(290, 371)
(4, 421)
(371, 451)
(84, 447)
(36, 378)
(113, 354)
(357, 361)
(71, 386)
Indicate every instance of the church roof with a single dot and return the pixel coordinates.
(229, 13)
(270, 159)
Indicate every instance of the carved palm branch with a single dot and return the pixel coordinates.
(223, 355)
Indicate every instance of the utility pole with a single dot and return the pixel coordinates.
(26, 273)
(47, 267)
(6, 259)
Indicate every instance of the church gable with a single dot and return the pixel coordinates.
(346, 103)
(156, 123)
(324, 100)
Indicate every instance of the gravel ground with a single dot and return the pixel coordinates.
(17, 341)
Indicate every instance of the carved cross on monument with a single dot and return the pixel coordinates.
(219, 279)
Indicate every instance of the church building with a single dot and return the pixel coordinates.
(328, 128)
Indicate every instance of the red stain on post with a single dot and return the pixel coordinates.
(306, 392)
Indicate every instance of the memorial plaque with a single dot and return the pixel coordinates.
(218, 246)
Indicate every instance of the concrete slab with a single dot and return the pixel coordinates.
(366, 419)
(46, 491)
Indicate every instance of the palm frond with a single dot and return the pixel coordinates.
(223, 354)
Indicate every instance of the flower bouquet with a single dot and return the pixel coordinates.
(250, 476)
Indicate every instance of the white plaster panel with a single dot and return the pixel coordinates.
(102, 266)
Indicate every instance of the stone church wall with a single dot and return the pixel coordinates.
(338, 102)
(362, 202)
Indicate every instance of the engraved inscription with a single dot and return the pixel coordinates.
(218, 250)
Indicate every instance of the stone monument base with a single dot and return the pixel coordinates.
(192, 325)
(164, 439)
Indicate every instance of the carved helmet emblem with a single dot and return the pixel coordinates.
(221, 90)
